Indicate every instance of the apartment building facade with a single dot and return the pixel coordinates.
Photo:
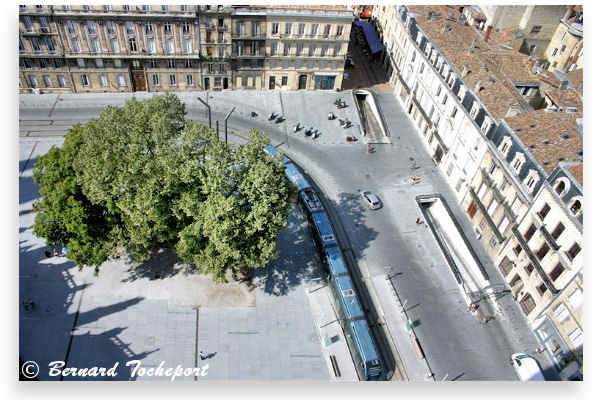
(110, 48)
(471, 124)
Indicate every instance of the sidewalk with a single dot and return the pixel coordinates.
(331, 335)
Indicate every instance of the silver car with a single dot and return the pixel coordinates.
(370, 199)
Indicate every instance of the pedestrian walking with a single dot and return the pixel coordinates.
(31, 303)
(54, 252)
(202, 355)
(540, 350)
(25, 306)
(368, 148)
(418, 221)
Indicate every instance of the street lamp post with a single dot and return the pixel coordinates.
(209, 114)
(228, 115)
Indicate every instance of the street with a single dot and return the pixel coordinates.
(457, 346)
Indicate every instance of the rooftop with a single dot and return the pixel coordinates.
(491, 64)
(567, 98)
(549, 136)
(577, 171)
(576, 78)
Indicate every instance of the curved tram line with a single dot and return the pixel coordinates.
(348, 307)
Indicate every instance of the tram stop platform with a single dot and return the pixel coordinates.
(333, 342)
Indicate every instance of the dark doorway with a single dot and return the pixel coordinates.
(137, 76)
(225, 83)
(472, 209)
(271, 82)
(206, 83)
(302, 82)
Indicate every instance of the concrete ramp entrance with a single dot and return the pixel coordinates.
(372, 123)
(464, 263)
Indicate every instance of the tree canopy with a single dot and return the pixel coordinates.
(140, 177)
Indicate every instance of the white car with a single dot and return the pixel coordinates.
(370, 199)
(526, 367)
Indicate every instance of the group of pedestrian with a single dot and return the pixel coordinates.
(55, 253)
(28, 303)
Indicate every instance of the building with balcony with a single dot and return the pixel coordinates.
(468, 98)
(566, 46)
(248, 37)
(306, 47)
(215, 47)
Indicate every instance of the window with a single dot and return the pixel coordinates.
(450, 169)
(151, 46)
(71, 27)
(535, 29)
(173, 79)
(299, 48)
(576, 337)
(554, 52)
(33, 81)
(517, 249)
(544, 211)
(561, 313)
(35, 44)
(132, 45)
(576, 298)
(557, 271)
(218, 81)
(42, 63)
(121, 80)
(86, 8)
(492, 207)
(209, 67)
(153, 63)
(240, 48)
(61, 81)
(518, 162)
(126, 8)
(130, 28)
(21, 45)
(47, 81)
(542, 289)
(284, 80)
(170, 63)
(56, 63)
(560, 228)
(542, 251)
(324, 49)
(44, 25)
(474, 110)
(562, 48)
(255, 47)
(422, 67)
(529, 268)
(189, 63)
(103, 80)
(187, 46)
(327, 31)
(185, 28)
(114, 45)
(311, 49)
(165, 8)
(255, 28)
(155, 81)
(575, 207)
(445, 99)
(85, 80)
(503, 225)
(275, 28)
(453, 113)
(50, 44)
(241, 28)
(80, 63)
(189, 79)
(169, 48)
(340, 30)
(76, 45)
(314, 29)
(462, 92)
(91, 27)
(573, 251)
(526, 91)
(493, 241)
(99, 63)
(149, 28)
(286, 49)
(527, 304)
(560, 187)
(28, 23)
(167, 27)
(288, 28)
(110, 27)
(530, 232)
(532, 48)
(95, 45)
(107, 8)
(531, 179)
(273, 48)
(301, 29)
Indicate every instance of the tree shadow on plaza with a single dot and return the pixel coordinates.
(163, 263)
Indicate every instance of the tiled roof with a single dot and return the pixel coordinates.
(496, 89)
(577, 171)
(576, 77)
(549, 137)
(567, 98)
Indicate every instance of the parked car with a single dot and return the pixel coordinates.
(370, 199)
(526, 367)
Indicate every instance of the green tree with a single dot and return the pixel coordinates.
(141, 177)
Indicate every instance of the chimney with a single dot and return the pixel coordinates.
(513, 110)
(477, 87)
(465, 71)
(488, 31)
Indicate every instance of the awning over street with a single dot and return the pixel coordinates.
(370, 35)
